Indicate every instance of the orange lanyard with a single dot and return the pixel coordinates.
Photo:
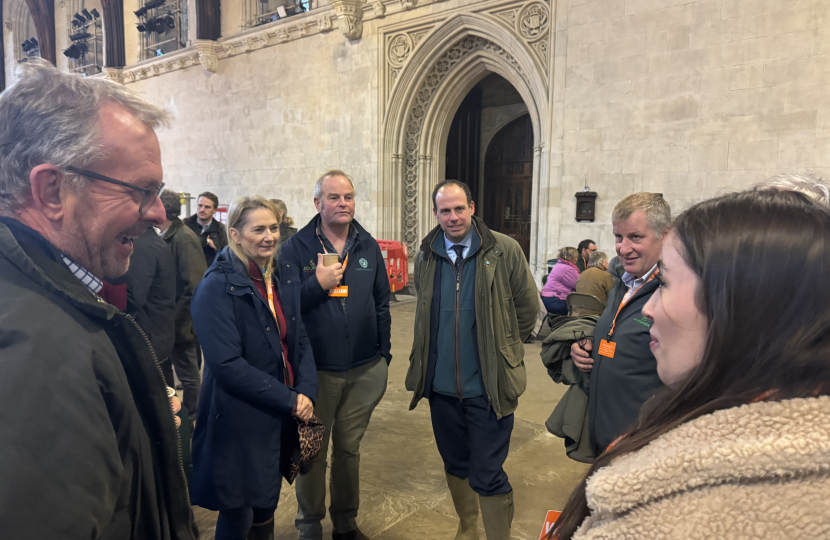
(269, 286)
(625, 300)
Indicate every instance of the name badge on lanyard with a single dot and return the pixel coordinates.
(339, 292)
(606, 346)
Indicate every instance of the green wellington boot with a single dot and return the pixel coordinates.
(465, 501)
(497, 514)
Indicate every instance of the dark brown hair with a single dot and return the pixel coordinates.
(763, 259)
(211, 197)
(446, 183)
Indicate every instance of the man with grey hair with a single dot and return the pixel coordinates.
(345, 308)
(623, 369)
(88, 444)
(595, 280)
(808, 184)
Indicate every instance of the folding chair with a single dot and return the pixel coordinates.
(584, 304)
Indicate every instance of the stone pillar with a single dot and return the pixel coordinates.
(536, 196)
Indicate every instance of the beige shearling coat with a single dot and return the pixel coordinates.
(755, 472)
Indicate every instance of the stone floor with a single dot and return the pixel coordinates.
(404, 493)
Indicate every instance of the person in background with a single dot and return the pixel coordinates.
(596, 280)
(259, 372)
(561, 281)
(807, 184)
(189, 265)
(738, 441)
(211, 233)
(287, 228)
(151, 294)
(585, 249)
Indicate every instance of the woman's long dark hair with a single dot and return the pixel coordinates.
(763, 259)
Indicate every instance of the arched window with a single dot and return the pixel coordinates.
(24, 34)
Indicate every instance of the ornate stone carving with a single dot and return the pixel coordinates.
(399, 49)
(379, 8)
(414, 124)
(542, 48)
(509, 16)
(349, 17)
(303, 29)
(114, 74)
(407, 4)
(206, 53)
(229, 49)
(324, 23)
(282, 35)
(533, 21)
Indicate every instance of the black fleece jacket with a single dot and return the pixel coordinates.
(340, 343)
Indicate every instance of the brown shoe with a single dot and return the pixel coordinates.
(351, 535)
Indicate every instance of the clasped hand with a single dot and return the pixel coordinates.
(582, 356)
(303, 409)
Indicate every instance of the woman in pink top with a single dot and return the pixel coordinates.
(561, 282)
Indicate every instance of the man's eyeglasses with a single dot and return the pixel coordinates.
(148, 195)
(580, 338)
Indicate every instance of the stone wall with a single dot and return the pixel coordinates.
(690, 99)
(271, 121)
(686, 98)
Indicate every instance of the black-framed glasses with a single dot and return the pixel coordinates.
(148, 195)
(580, 338)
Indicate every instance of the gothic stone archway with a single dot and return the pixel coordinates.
(433, 79)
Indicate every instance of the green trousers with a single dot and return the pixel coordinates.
(345, 401)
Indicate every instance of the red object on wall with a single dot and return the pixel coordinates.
(397, 263)
(221, 214)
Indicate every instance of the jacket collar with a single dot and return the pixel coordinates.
(764, 441)
(175, 225)
(226, 262)
(36, 258)
(194, 220)
(488, 240)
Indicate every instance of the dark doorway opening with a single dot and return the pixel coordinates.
(499, 172)
(464, 142)
(508, 181)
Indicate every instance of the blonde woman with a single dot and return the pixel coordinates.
(259, 372)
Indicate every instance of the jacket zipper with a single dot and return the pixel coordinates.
(193, 534)
(457, 328)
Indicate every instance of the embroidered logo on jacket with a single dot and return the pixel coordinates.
(312, 267)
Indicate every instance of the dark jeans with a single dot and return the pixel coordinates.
(555, 305)
(234, 524)
(472, 442)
